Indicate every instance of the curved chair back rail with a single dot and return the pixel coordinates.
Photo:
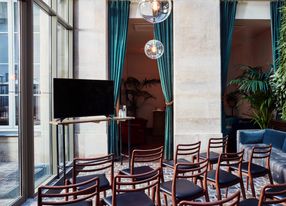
(188, 150)
(136, 183)
(91, 165)
(273, 194)
(70, 191)
(146, 156)
(216, 143)
(232, 200)
(261, 152)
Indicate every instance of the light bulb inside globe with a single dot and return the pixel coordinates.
(154, 49)
(155, 7)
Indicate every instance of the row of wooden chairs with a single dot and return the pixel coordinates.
(183, 186)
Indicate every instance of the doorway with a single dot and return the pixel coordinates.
(141, 90)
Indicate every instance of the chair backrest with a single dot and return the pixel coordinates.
(68, 194)
(86, 165)
(273, 194)
(192, 150)
(147, 156)
(190, 171)
(228, 160)
(136, 183)
(261, 153)
(218, 143)
(232, 200)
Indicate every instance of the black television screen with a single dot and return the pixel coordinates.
(82, 98)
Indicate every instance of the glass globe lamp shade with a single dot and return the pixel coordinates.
(155, 11)
(154, 49)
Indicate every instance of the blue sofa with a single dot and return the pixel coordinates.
(246, 139)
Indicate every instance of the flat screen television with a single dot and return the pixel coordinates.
(82, 98)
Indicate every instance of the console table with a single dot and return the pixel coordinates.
(66, 122)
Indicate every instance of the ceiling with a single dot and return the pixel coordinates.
(245, 30)
(140, 32)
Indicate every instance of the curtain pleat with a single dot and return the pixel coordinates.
(118, 17)
(227, 19)
(164, 33)
(275, 30)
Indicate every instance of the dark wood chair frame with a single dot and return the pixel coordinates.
(82, 165)
(133, 183)
(192, 171)
(228, 160)
(216, 143)
(261, 152)
(268, 197)
(183, 150)
(70, 190)
(232, 200)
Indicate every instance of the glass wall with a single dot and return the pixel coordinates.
(42, 95)
(10, 184)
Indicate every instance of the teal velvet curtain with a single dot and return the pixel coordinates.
(227, 19)
(164, 32)
(118, 17)
(275, 29)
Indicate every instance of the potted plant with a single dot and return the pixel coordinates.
(254, 87)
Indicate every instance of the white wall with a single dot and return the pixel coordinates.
(90, 50)
(197, 102)
(253, 10)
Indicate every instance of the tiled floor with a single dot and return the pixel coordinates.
(259, 183)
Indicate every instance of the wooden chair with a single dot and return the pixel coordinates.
(270, 194)
(182, 152)
(233, 200)
(223, 179)
(70, 194)
(252, 170)
(145, 157)
(215, 144)
(129, 190)
(181, 188)
(87, 168)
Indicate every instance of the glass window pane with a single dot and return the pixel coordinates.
(62, 51)
(42, 96)
(63, 9)
(10, 182)
(3, 48)
(3, 17)
(16, 48)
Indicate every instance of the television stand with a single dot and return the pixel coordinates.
(66, 122)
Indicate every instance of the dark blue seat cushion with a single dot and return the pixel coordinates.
(185, 189)
(284, 146)
(103, 181)
(82, 203)
(274, 137)
(181, 160)
(256, 169)
(249, 202)
(251, 137)
(213, 157)
(280, 189)
(138, 170)
(130, 199)
(225, 178)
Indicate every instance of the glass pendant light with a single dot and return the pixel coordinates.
(154, 49)
(155, 11)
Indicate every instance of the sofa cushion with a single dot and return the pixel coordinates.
(251, 136)
(274, 137)
(284, 146)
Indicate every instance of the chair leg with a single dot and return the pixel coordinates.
(207, 196)
(218, 193)
(252, 186)
(165, 199)
(242, 189)
(270, 178)
(247, 183)
(226, 192)
(158, 197)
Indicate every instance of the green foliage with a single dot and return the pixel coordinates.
(278, 81)
(254, 86)
(135, 93)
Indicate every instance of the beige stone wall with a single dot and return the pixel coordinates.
(197, 93)
(90, 62)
